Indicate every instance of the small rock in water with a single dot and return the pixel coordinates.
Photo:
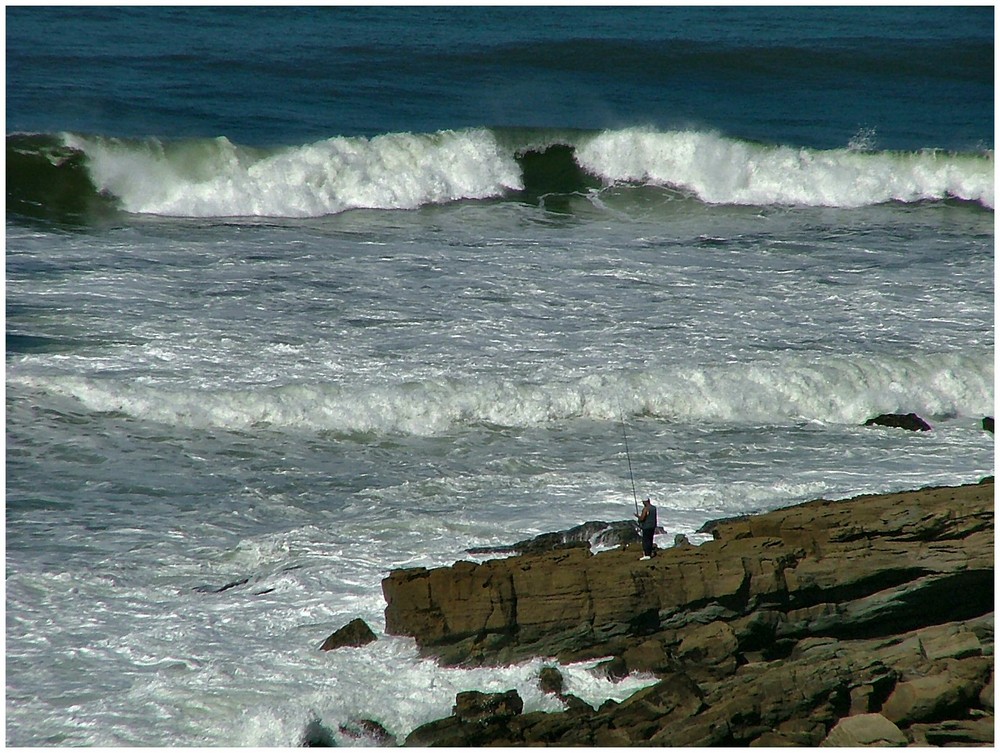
(550, 680)
(910, 421)
(355, 633)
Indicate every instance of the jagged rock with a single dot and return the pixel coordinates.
(910, 421)
(574, 703)
(648, 656)
(864, 731)
(355, 633)
(477, 719)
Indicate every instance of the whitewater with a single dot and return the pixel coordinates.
(236, 428)
(298, 296)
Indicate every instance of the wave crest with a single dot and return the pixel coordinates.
(719, 170)
(73, 176)
(216, 178)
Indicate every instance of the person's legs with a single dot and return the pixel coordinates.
(647, 542)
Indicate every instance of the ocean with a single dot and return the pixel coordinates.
(297, 296)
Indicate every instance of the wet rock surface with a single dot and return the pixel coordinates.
(795, 627)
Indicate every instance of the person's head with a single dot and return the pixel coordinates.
(646, 501)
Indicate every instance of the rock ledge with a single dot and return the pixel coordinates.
(793, 627)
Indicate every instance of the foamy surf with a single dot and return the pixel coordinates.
(845, 390)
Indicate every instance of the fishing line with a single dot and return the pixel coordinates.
(628, 457)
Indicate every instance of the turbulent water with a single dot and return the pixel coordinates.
(298, 297)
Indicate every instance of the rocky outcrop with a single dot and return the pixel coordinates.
(774, 633)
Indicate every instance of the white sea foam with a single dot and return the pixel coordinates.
(845, 390)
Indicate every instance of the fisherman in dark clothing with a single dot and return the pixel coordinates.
(647, 522)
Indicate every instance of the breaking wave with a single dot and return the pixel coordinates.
(73, 176)
(845, 390)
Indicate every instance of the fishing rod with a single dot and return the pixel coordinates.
(635, 497)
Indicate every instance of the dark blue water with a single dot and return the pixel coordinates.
(919, 77)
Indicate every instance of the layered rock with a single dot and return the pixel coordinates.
(773, 633)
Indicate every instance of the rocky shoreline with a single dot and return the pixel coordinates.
(866, 621)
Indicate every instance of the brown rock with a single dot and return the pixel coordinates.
(712, 647)
(355, 633)
(474, 706)
(933, 697)
(550, 680)
(962, 732)
(864, 731)
(649, 656)
(784, 626)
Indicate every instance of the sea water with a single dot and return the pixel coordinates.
(299, 296)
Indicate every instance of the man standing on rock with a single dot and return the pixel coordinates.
(647, 522)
